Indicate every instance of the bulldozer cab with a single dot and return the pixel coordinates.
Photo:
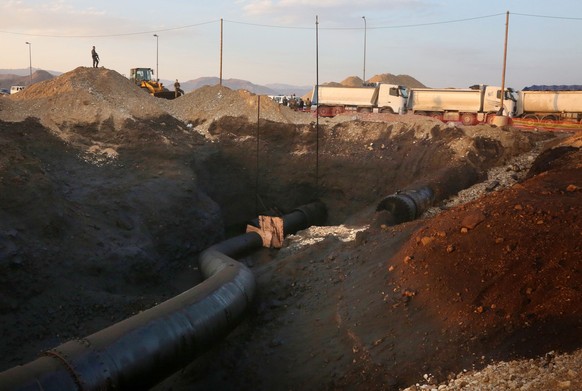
(141, 74)
(143, 77)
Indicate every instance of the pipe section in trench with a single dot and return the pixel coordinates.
(410, 204)
(143, 350)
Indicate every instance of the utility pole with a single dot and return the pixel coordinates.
(504, 62)
(30, 61)
(157, 57)
(365, 39)
(317, 105)
(221, 41)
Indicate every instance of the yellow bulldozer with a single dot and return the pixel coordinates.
(143, 77)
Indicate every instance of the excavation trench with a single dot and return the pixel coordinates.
(142, 350)
(146, 348)
(133, 218)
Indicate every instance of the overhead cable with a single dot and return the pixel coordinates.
(291, 27)
(111, 35)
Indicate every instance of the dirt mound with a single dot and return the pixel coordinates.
(388, 78)
(209, 103)
(401, 80)
(83, 96)
(352, 81)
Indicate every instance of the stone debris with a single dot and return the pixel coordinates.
(551, 373)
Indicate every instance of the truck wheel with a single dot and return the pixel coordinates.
(436, 115)
(550, 119)
(387, 110)
(530, 120)
(325, 111)
(467, 119)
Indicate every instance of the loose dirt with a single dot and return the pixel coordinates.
(108, 194)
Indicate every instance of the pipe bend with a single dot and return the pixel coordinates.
(142, 350)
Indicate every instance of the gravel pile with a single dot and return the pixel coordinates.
(548, 373)
(498, 178)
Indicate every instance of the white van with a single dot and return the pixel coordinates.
(15, 89)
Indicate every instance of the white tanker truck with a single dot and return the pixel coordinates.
(549, 104)
(477, 104)
(377, 98)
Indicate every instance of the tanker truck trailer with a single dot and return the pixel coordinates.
(550, 104)
(477, 104)
(384, 98)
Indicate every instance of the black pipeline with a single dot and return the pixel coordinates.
(410, 204)
(407, 205)
(144, 349)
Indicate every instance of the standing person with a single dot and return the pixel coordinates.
(177, 89)
(95, 57)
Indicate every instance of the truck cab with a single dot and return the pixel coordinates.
(492, 101)
(392, 99)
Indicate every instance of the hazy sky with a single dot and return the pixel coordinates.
(442, 43)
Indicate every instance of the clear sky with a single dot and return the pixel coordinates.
(442, 43)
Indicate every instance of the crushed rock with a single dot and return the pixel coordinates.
(316, 234)
(551, 372)
(498, 178)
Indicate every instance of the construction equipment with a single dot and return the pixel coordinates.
(143, 77)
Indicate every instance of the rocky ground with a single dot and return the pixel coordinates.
(107, 195)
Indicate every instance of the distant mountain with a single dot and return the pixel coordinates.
(10, 77)
(14, 79)
(26, 71)
(238, 84)
(287, 89)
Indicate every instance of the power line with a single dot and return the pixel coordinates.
(269, 25)
(547, 16)
(291, 27)
(437, 23)
(369, 28)
(111, 35)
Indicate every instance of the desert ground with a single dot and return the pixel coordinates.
(108, 195)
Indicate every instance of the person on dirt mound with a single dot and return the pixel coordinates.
(177, 89)
(95, 57)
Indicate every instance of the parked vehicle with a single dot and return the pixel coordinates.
(379, 97)
(15, 89)
(476, 104)
(550, 103)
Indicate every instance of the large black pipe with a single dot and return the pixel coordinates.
(298, 218)
(410, 204)
(407, 205)
(140, 351)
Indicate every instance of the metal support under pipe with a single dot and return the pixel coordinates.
(144, 349)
